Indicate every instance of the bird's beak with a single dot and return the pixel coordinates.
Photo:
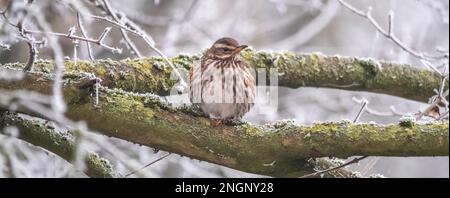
(239, 49)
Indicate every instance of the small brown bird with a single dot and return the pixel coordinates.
(221, 83)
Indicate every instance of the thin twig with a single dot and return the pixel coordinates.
(353, 161)
(443, 116)
(368, 110)
(58, 104)
(390, 33)
(83, 32)
(32, 55)
(421, 56)
(127, 39)
(133, 28)
(149, 164)
(28, 39)
(97, 85)
(97, 41)
(75, 52)
(431, 67)
(361, 111)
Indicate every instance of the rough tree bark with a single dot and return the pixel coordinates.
(150, 75)
(146, 119)
(62, 144)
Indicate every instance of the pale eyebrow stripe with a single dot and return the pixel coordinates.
(219, 45)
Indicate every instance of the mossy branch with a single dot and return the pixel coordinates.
(61, 144)
(278, 149)
(151, 75)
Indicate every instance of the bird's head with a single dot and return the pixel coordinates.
(225, 48)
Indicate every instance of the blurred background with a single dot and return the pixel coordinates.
(190, 26)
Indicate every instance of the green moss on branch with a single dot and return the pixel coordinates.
(348, 73)
(59, 143)
(145, 119)
(294, 71)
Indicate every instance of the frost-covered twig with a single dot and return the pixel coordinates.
(390, 32)
(58, 105)
(393, 111)
(98, 41)
(423, 57)
(443, 116)
(84, 33)
(118, 20)
(353, 161)
(29, 39)
(128, 26)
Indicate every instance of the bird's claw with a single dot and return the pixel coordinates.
(217, 122)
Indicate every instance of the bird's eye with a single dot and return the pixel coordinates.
(226, 50)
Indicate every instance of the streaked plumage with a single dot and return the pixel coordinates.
(221, 83)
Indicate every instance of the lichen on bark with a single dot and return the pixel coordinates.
(152, 75)
(58, 142)
(127, 111)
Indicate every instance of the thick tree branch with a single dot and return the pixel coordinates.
(61, 144)
(145, 119)
(294, 70)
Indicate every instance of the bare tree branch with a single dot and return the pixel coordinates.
(62, 144)
(148, 120)
(294, 71)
